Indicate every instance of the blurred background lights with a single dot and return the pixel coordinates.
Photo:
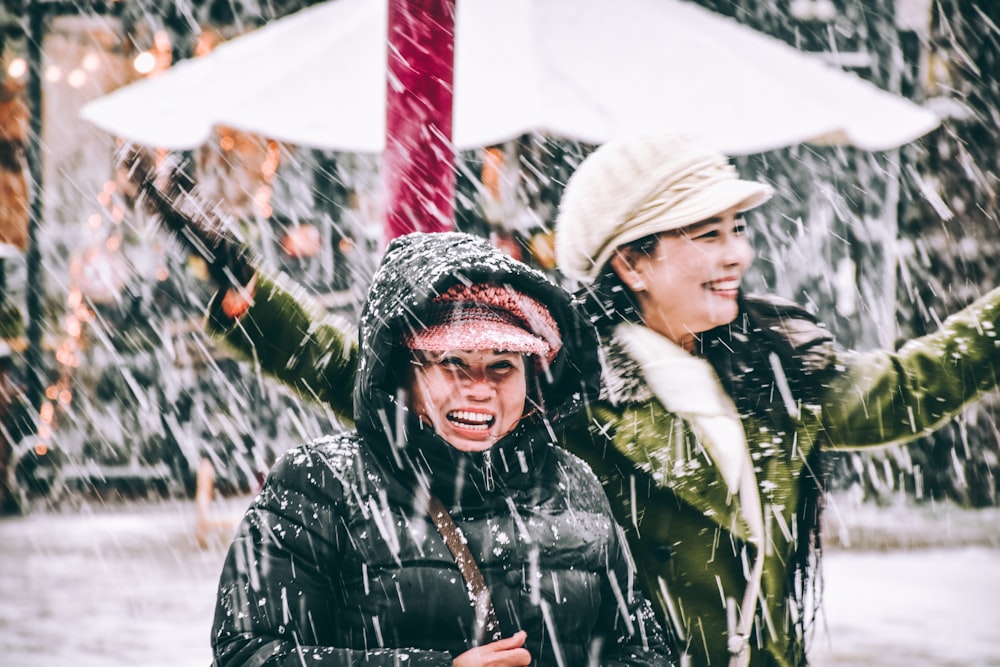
(17, 68)
(76, 78)
(144, 63)
(91, 62)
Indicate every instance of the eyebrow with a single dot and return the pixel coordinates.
(696, 227)
(436, 356)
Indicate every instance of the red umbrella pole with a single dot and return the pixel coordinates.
(419, 160)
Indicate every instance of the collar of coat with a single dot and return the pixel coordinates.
(642, 364)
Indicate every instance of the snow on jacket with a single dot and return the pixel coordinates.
(337, 561)
(670, 485)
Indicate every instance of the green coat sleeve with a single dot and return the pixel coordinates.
(295, 342)
(884, 397)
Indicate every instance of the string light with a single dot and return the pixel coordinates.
(91, 62)
(158, 57)
(144, 63)
(17, 68)
(76, 78)
(268, 169)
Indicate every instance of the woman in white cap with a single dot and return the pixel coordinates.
(715, 402)
(446, 529)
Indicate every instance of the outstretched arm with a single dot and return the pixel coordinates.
(888, 397)
(168, 192)
(295, 341)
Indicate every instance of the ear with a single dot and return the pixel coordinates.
(623, 264)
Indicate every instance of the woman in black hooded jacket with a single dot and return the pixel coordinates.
(338, 560)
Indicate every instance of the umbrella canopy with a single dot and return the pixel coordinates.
(580, 70)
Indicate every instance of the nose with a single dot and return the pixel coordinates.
(476, 384)
(736, 250)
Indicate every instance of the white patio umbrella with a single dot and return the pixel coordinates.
(580, 70)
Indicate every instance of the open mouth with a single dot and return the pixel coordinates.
(474, 421)
(727, 286)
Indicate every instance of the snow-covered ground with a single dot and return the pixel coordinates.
(129, 585)
(909, 587)
(927, 607)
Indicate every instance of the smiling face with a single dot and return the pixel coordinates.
(689, 282)
(471, 398)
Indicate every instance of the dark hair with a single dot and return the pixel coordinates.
(741, 354)
(608, 301)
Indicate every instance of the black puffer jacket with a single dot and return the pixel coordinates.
(338, 563)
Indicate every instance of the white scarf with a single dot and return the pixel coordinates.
(688, 386)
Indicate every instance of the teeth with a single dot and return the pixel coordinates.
(476, 427)
(725, 285)
(471, 419)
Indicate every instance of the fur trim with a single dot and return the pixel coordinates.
(622, 377)
(687, 385)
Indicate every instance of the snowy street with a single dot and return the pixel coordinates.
(920, 608)
(129, 585)
(121, 586)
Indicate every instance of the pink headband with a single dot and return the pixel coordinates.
(487, 316)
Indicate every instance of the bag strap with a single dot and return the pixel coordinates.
(487, 624)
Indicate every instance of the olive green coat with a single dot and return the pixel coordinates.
(694, 544)
(686, 527)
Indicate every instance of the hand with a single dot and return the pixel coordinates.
(168, 192)
(502, 653)
(236, 301)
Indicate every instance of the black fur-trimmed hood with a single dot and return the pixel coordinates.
(415, 269)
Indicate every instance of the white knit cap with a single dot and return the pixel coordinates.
(636, 186)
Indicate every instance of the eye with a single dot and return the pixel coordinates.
(503, 370)
(451, 363)
(707, 235)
